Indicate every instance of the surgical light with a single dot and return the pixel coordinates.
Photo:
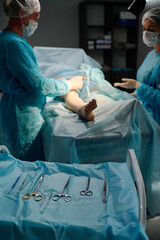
(137, 7)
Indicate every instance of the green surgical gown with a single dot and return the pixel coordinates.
(24, 95)
(149, 91)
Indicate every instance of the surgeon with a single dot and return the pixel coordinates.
(147, 85)
(24, 87)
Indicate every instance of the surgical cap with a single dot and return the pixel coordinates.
(154, 15)
(11, 7)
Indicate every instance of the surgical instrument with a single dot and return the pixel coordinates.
(104, 191)
(19, 189)
(15, 184)
(87, 192)
(37, 197)
(47, 199)
(66, 197)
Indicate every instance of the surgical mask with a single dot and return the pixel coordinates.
(150, 38)
(30, 29)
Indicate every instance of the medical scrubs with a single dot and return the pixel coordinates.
(149, 91)
(24, 95)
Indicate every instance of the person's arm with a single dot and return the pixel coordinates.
(25, 70)
(128, 83)
(149, 94)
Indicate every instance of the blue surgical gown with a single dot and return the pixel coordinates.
(149, 91)
(24, 95)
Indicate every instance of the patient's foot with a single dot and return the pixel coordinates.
(86, 110)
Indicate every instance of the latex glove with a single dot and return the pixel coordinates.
(128, 83)
(134, 94)
(75, 83)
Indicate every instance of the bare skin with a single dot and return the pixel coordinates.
(86, 110)
(74, 103)
(76, 82)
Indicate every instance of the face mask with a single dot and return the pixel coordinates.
(150, 38)
(30, 29)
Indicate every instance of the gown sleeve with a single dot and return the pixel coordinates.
(23, 67)
(151, 93)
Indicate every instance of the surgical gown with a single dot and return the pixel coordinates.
(149, 91)
(24, 95)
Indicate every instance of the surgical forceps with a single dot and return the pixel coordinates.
(87, 192)
(104, 191)
(19, 189)
(63, 194)
(37, 197)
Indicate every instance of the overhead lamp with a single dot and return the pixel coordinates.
(137, 7)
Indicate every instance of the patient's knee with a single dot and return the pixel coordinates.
(70, 95)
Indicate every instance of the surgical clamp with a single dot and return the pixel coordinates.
(87, 192)
(37, 197)
(63, 194)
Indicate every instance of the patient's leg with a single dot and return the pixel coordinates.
(86, 110)
(74, 103)
(75, 82)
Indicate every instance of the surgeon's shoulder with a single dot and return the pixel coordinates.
(150, 54)
(12, 41)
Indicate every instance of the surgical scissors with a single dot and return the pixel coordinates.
(37, 197)
(63, 194)
(87, 192)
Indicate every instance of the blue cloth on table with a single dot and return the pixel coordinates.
(62, 62)
(82, 218)
(121, 122)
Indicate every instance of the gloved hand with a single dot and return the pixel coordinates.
(128, 83)
(75, 83)
(134, 94)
